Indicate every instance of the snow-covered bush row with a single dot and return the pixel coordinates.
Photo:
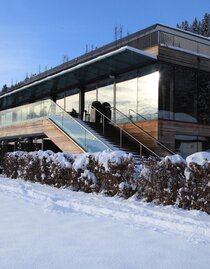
(176, 181)
(107, 172)
(169, 181)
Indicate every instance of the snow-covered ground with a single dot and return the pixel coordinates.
(45, 227)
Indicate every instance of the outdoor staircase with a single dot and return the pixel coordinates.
(117, 140)
(127, 135)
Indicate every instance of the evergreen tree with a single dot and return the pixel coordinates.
(185, 25)
(4, 88)
(199, 27)
(205, 25)
(195, 26)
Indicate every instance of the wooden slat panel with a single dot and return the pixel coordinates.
(183, 58)
(168, 129)
(60, 139)
(150, 127)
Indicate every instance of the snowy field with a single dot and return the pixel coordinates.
(45, 227)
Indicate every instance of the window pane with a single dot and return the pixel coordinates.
(89, 98)
(148, 95)
(185, 95)
(105, 94)
(126, 96)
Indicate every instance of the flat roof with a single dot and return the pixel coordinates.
(113, 46)
(113, 63)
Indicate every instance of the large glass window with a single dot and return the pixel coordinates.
(185, 95)
(166, 88)
(133, 96)
(148, 95)
(90, 97)
(126, 95)
(204, 97)
(105, 94)
(69, 103)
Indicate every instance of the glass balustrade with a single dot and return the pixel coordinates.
(48, 109)
(136, 117)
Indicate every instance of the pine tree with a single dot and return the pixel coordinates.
(185, 25)
(195, 26)
(205, 25)
(199, 27)
(4, 88)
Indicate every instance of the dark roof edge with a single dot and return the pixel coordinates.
(182, 31)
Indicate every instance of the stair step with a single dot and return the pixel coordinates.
(112, 135)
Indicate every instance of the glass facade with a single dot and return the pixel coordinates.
(126, 95)
(138, 97)
(69, 103)
(148, 95)
(90, 97)
(203, 97)
(135, 93)
(106, 94)
(184, 94)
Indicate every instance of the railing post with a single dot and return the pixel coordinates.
(120, 138)
(103, 123)
(140, 150)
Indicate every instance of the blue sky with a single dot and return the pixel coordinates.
(39, 33)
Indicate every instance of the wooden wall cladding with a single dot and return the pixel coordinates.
(46, 127)
(64, 142)
(150, 127)
(168, 129)
(183, 58)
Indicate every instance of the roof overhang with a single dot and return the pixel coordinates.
(113, 63)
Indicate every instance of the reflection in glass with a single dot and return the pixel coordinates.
(89, 98)
(203, 102)
(185, 95)
(148, 95)
(126, 96)
(71, 102)
(105, 94)
(166, 91)
(139, 94)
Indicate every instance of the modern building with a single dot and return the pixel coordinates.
(156, 81)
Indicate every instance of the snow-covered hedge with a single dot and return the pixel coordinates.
(105, 172)
(171, 181)
(176, 181)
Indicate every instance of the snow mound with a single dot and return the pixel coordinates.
(114, 157)
(199, 158)
(175, 159)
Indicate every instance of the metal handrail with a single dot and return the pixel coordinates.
(124, 131)
(136, 114)
(82, 126)
(152, 137)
